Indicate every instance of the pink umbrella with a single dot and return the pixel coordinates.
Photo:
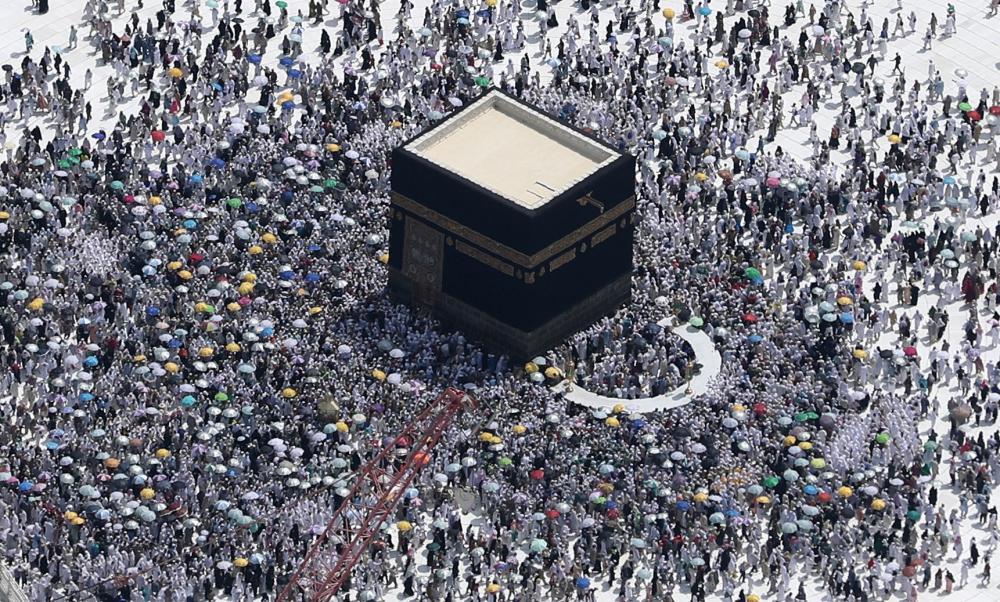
(773, 182)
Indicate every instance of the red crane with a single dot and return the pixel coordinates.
(378, 487)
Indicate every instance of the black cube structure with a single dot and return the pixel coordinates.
(510, 225)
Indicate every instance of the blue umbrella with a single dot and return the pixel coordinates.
(174, 343)
(26, 486)
(294, 73)
(286, 61)
(52, 445)
(683, 505)
(254, 58)
(190, 224)
(810, 490)
(187, 401)
(266, 331)
(99, 136)
(217, 86)
(582, 582)
(217, 163)
(153, 310)
(755, 338)
(463, 21)
(86, 397)
(611, 505)
(252, 207)
(462, 13)
(847, 317)
(705, 11)
(286, 275)
(288, 104)
(197, 178)
(732, 512)
(91, 361)
(312, 277)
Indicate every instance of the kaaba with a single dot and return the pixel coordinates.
(510, 225)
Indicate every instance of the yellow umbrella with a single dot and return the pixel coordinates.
(78, 521)
(753, 598)
(174, 266)
(618, 408)
(859, 265)
(233, 306)
(844, 300)
(763, 499)
(171, 367)
(232, 347)
(175, 73)
(860, 354)
(147, 494)
(669, 13)
(721, 63)
(398, 124)
(845, 491)
(315, 309)
(700, 497)
(255, 250)
(612, 422)
(342, 426)
(878, 504)
(378, 374)
(805, 446)
(4, 215)
(738, 407)
(790, 440)
(495, 439)
(493, 588)
(333, 148)
(112, 463)
(155, 200)
(206, 352)
(70, 515)
(383, 258)
(486, 437)
(894, 138)
(36, 304)
(404, 525)
(269, 238)
(162, 453)
(552, 372)
(245, 288)
(240, 562)
(139, 358)
(288, 393)
(700, 176)
(249, 277)
(200, 306)
(491, 3)
(531, 367)
(519, 429)
(185, 275)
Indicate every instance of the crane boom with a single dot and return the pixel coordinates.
(377, 490)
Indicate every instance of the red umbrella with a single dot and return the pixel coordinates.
(614, 513)
(824, 496)
(759, 408)
(995, 110)
(910, 351)
(552, 513)
(974, 115)
(538, 474)
(158, 136)
(749, 317)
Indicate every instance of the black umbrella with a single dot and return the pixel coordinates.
(858, 67)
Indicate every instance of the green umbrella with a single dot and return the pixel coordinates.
(315, 188)
(882, 438)
(771, 482)
(505, 461)
(697, 322)
(235, 203)
(281, 4)
(330, 183)
(220, 396)
(930, 445)
(964, 106)
(483, 81)
(63, 164)
(209, 309)
(752, 273)
(913, 515)
(75, 152)
(117, 185)
(74, 160)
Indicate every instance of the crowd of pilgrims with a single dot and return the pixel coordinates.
(200, 352)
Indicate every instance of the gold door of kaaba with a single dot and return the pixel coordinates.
(423, 259)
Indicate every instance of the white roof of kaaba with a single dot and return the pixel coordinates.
(512, 150)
